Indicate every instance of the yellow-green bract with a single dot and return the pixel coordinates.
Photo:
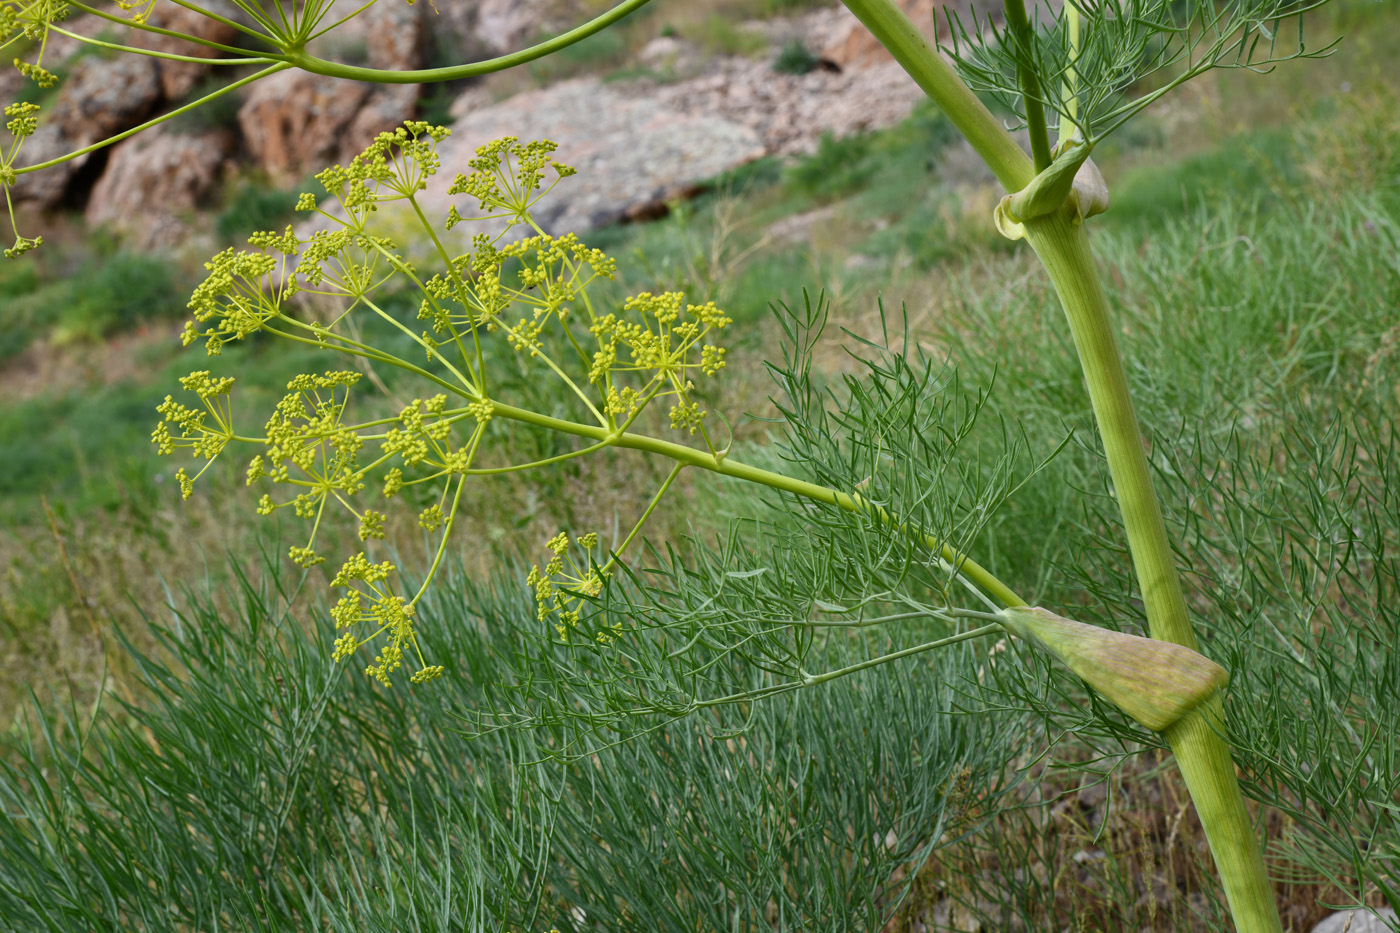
(1155, 682)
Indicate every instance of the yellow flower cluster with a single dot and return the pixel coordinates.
(203, 440)
(396, 165)
(24, 119)
(561, 587)
(661, 343)
(371, 604)
(22, 123)
(238, 296)
(26, 24)
(530, 292)
(507, 178)
(36, 73)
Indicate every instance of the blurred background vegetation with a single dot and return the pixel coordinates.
(1252, 253)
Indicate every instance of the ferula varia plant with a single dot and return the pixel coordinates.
(880, 509)
(895, 515)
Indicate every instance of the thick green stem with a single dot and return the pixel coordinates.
(887, 23)
(1201, 751)
(1020, 29)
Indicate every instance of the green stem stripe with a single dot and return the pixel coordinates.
(651, 507)
(1020, 29)
(812, 680)
(253, 11)
(152, 53)
(733, 468)
(184, 37)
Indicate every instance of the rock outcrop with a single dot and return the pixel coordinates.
(837, 36)
(791, 113)
(294, 122)
(155, 180)
(179, 78)
(639, 143)
(1379, 920)
(636, 144)
(100, 98)
(506, 25)
(630, 151)
(390, 35)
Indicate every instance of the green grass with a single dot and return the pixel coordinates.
(252, 207)
(245, 774)
(599, 52)
(83, 298)
(219, 114)
(1256, 163)
(224, 818)
(795, 59)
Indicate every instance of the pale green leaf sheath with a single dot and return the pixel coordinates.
(1155, 682)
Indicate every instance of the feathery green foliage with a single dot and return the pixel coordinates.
(254, 786)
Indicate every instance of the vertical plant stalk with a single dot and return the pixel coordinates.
(936, 78)
(1069, 90)
(1063, 248)
(1020, 29)
(1200, 749)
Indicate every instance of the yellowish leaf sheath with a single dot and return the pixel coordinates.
(1154, 682)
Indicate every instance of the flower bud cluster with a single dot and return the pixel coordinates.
(193, 430)
(531, 293)
(370, 604)
(507, 178)
(564, 584)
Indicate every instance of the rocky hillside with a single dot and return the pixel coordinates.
(649, 124)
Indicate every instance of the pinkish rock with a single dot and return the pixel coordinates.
(46, 186)
(851, 46)
(58, 48)
(12, 83)
(1379, 920)
(292, 120)
(837, 36)
(450, 30)
(630, 152)
(179, 78)
(790, 113)
(389, 35)
(381, 111)
(296, 122)
(100, 99)
(506, 25)
(153, 178)
(395, 35)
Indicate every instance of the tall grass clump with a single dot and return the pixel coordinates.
(1271, 443)
(249, 784)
